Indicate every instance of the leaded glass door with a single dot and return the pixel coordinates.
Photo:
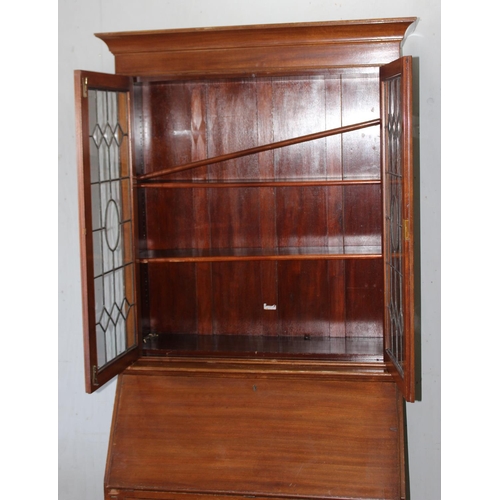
(106, 225)
(397, 169)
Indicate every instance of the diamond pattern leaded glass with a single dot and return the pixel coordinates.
(394, 221)
(111, 224)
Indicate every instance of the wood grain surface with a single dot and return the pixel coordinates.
(252, 436)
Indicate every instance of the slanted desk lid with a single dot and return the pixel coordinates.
(246, 434)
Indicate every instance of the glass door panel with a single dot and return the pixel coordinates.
(107, 224)
(397, 167)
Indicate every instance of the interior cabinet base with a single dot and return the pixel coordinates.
(187, 434)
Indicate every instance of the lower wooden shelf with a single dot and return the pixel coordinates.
(196, 430)
(369, 349)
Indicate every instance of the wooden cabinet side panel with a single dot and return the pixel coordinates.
(255, 436)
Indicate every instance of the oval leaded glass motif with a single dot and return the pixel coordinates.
(112, 225)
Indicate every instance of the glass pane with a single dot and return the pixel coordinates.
(394, 222)
(111, 224)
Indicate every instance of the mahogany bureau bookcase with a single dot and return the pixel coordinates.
(246, 210)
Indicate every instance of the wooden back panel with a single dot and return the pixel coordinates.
(191, 120)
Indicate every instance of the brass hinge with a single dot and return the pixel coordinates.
(406, 223)
(94, 375)
(85, 83)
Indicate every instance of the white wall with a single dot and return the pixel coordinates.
(84, 420)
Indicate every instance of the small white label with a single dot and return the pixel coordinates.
(269, 307)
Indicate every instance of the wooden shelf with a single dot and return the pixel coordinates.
(332, 348)
(254, 183)
(271, 254)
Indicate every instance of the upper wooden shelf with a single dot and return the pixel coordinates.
(258, 49)
(272, 254)
(242, 183)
